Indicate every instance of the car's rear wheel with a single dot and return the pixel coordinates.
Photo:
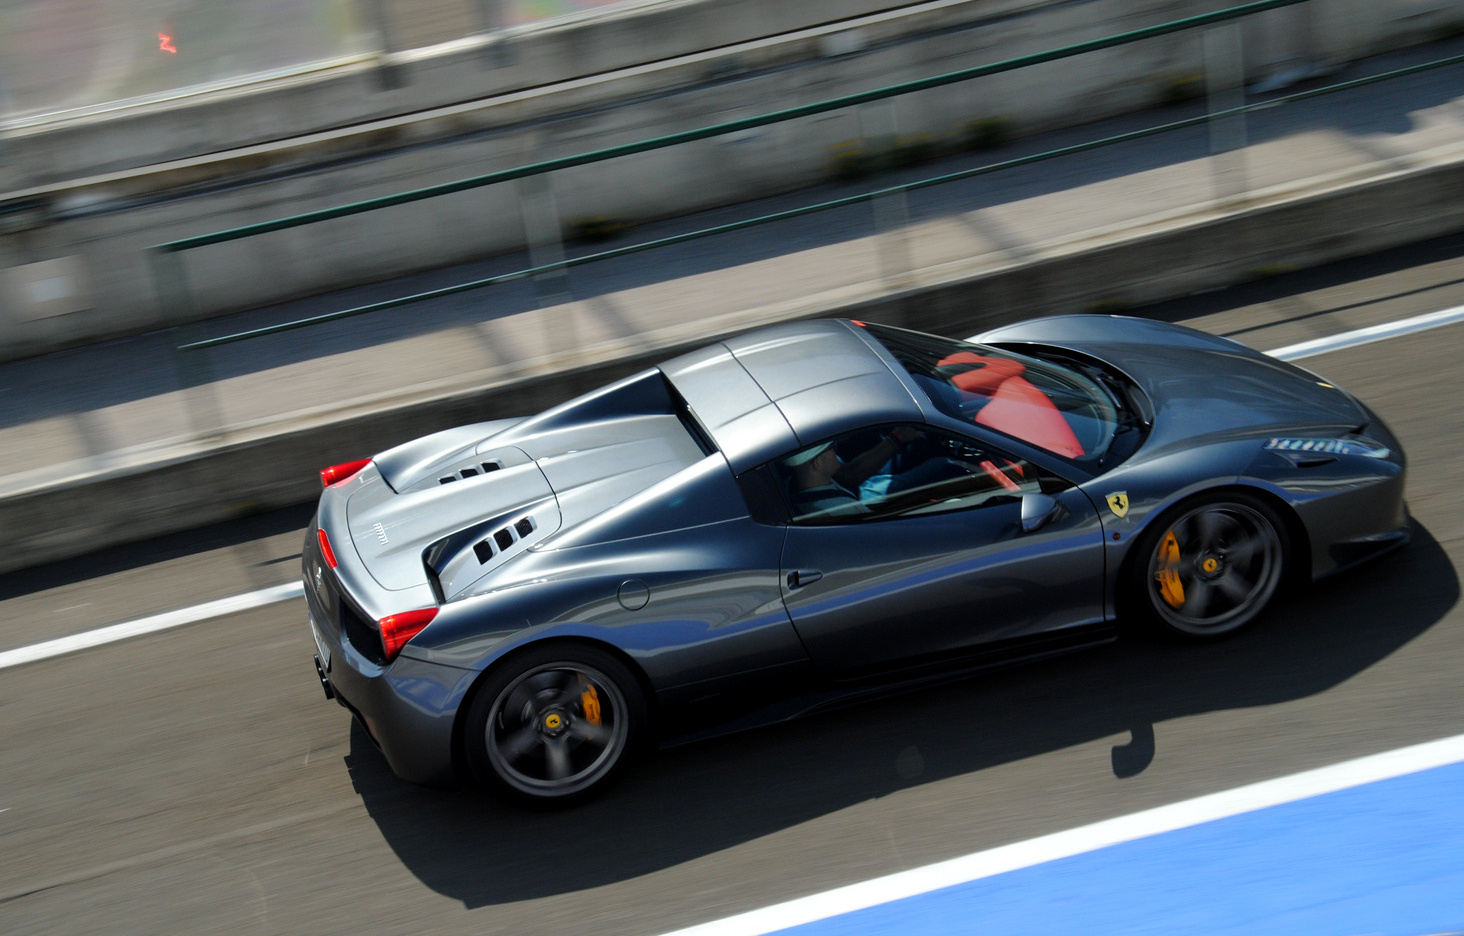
(555, 725)
(1210, 566)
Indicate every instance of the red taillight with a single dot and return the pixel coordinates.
(397, 629)
(335, 474)
(325, 549)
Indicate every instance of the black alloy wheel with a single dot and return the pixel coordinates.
(1210, 566)
(555, 725)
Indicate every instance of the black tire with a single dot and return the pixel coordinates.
(1208, 567)
(555, 725)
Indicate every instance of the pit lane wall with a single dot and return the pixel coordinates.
(208, 482)
(82, 196)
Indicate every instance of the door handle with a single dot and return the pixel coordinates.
(800, 577)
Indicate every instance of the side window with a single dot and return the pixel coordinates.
(899, 471)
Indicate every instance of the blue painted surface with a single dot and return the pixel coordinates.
(1385, 858)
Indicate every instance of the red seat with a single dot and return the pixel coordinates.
(1019, 409)
(987, 376)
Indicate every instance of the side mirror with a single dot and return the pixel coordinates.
(1038, 510)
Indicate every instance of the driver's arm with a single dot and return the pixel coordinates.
(857, 470)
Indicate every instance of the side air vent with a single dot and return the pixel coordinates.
(484, 550)
(460, 561)
(471, 471)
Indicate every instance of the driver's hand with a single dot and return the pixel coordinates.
(905, 434)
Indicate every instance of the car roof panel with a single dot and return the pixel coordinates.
(763, 394)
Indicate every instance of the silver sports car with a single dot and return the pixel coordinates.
(806, 514)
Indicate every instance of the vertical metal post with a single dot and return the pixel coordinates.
(490, 15)
(491, 19)
(891, 226)
(376, 15)
(1225, 90)
(4, 153)
(545, 240)
(879, 133)
(1359, 16)
(2, 116)
(195, 376)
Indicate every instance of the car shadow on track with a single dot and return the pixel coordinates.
(700, 799)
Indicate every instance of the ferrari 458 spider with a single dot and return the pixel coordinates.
(789, 518)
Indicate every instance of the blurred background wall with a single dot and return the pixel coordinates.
(62, 55)
(124, 123)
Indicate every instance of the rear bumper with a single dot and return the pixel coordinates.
(408, 707)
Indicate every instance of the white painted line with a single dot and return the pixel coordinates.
(1087, 838)
(150, 625)
(1362, 336)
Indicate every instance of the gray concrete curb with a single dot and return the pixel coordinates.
(1163, 258)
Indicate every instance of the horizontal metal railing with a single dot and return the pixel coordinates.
(171, 282)
(818, 207)
(731, 126)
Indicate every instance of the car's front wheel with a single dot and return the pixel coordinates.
(555, 725)
(1210, 566)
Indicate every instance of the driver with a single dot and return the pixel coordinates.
(814, 487)
(821, 481)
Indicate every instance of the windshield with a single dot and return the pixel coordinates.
(1055, 408)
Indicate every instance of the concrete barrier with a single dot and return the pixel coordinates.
(360, 144)
(1325, 221)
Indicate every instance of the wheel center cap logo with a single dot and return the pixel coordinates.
(1210, 565)
(1118, 503)
(553, 721)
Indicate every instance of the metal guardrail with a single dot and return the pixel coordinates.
(171, 284)
(820, 206)
(731, 126)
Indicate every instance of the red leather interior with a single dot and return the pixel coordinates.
(988, 377)
(1017, 407)
(1020, 409)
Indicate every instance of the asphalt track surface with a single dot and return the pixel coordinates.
(196, 780)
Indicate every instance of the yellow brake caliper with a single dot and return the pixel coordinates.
(1171, 589)
(590, 703)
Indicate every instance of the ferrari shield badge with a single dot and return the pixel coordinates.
(1118, 503)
